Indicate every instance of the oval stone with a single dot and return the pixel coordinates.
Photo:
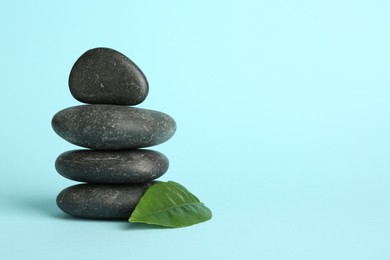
(106, 76)
(121, 167)
(101, 201)
(112, 127)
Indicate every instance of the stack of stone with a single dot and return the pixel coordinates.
(117, 173)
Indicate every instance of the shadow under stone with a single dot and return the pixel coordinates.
(40, 205)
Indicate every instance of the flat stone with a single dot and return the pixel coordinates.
(121, 167)
(101, 201)
(106, 76)
(112, 127)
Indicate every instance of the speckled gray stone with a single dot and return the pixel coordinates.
(111, 127)
(106, 76)
(101, 201)
(121, 167)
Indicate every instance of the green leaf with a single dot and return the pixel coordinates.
(169, 204)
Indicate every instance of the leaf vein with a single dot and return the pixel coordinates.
(170, 208)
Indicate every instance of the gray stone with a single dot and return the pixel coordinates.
(101, 201)
(121, 167)
(111, 127)
(106, 76)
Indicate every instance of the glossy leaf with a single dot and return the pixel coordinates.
(170, 204)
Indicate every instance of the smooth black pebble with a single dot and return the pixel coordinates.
(111, 127)
(120, 167)
(100, 201)
(106, 76)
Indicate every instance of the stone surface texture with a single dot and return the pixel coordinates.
(113, 127)
(101, 201)
(106, 76)
(120, 167)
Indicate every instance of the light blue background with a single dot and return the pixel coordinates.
(283, 113)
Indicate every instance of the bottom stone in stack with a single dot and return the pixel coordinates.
(101, 201)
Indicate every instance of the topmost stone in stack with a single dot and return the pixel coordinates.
(106, 76)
